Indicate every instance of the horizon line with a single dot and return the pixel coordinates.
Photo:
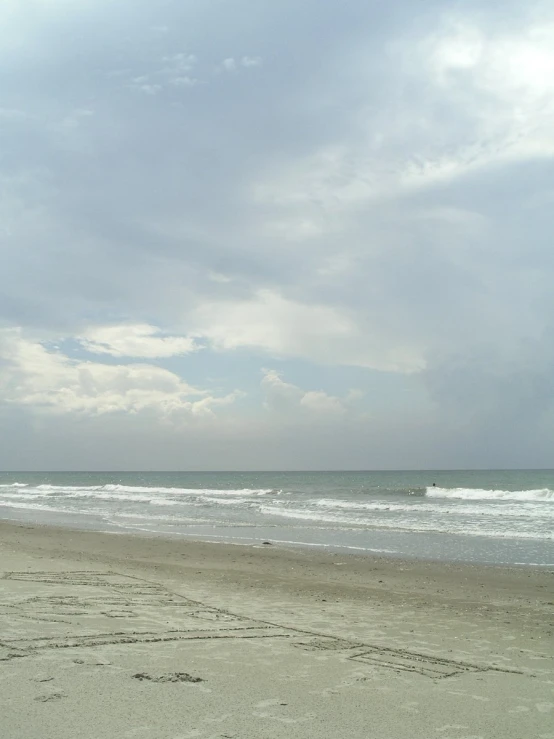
(276, 471)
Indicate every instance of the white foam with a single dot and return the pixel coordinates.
(542, 495)
(520, 514)
(306, 515)
(35, 507)
(415, 524)
(230, 502)
(516, 510)
(94, 490)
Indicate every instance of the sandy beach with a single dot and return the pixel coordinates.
(111, 636)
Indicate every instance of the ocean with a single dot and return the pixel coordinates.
(495, 516)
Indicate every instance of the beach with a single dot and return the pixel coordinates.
(117, 635)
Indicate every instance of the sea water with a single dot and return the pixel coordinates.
(494, 516)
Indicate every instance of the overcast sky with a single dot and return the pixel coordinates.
(276, 235)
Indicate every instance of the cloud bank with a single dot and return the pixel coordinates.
(357, 197)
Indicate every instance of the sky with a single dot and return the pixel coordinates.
(276, 235)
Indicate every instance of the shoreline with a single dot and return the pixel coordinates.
(101, 634)
(247, 559)
(397, 544)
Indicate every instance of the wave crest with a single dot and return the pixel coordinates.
(96, 491)
(542, 495)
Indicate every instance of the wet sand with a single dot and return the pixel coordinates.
(108, 636)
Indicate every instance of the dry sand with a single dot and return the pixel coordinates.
(107, 636)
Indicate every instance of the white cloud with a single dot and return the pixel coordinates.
(282, 396)
(501, 81)
(180, 62)
(231, 64)
(50, 382)
(175, 71)
(142, 84)
(284, 327)
(319, 402)
(251, 61)
(498, 84)
(504, 64)
(218, 277)
(135, 340)
(278, 393)
(269, 320)
(286, 398)
(178, 69)
(504, 82)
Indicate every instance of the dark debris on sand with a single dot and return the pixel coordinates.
(170, 677)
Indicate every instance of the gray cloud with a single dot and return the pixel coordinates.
(346, 184)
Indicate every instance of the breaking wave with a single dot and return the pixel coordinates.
(320, 503)
(122, 492)
(538, 496)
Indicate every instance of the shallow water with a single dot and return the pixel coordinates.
(482, 516)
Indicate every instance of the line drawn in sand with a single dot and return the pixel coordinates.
(157, 614)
